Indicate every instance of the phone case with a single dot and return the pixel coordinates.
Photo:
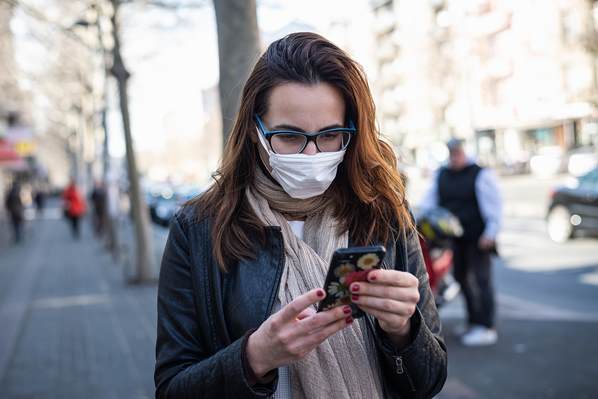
(347, 266)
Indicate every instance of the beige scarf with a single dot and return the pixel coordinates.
(345, 365)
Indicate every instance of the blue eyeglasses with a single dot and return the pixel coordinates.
(293, 142)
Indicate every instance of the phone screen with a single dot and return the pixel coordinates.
(347, 266)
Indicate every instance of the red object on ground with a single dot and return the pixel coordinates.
(438, 267)
(73, 201)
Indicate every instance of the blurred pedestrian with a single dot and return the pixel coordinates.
(304, 173)
(14, 206)
(74, 207)
(40, 200)
(471, 193)
(98, 200)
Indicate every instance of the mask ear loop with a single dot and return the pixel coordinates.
(263, 141)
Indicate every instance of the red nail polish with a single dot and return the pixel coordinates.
(372, 277)
(347, 310)
(354, 297)
(355, 287)
(349, 320)
(321, 293)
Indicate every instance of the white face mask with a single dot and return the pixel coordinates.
(303, 176)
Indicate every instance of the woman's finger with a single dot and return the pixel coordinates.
(404, 294)
(317, 337)
(385, 318)
(310, 311)
(392, 277)
(322, 319)
(292, 310)
(385, 305)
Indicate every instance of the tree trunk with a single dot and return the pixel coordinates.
(238, 49)
(143, 240)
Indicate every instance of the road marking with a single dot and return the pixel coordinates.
(62, 302)
(514, 308)
(589, 278)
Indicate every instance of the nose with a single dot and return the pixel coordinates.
(311, 148)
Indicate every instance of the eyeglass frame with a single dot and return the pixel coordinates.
(309, 136)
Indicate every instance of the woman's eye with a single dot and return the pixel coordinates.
(289, 138)
(329, 136)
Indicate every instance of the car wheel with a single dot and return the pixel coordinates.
(560, 228)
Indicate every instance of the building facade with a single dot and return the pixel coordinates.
(514, 78)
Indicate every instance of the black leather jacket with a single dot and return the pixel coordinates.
(204, 317)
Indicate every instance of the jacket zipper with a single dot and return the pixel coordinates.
(401, 369)
(279, 271)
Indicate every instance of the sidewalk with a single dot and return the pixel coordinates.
(72, 327)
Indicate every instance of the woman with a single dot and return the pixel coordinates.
(74, 207)
(244, 263)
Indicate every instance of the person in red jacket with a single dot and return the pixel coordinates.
(74, 207)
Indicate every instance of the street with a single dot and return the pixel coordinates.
(547, 313)
(72, 326)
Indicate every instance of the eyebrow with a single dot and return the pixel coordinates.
(285, 126)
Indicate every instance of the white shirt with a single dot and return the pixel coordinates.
(487, 194)
(297, 227)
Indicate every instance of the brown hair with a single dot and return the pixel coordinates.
(368, 192)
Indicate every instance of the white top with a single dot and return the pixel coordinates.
(297, 227)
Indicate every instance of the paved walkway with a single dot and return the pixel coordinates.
(71, 326)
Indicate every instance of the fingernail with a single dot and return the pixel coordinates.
(372, 277)
(347, 310)
(349, 320)
(320, 293)
(354, 297)
(355, 287)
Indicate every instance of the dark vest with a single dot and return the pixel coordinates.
(457, 193)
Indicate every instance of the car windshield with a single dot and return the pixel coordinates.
(589, 181)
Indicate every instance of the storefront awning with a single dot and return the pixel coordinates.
(10, 158)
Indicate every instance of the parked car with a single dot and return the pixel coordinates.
(165, 206)
(582, 160)
(157, 195)
(548, 161)
(574, 208)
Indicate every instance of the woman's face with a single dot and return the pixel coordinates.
(303, 107)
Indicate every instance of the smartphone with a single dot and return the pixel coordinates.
(347, 266)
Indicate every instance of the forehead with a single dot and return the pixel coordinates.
(456, 150)
(310, 107)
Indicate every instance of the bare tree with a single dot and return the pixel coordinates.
(143, 238)
(590, 41)
(238, 48)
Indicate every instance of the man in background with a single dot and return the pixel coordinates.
(14, 206)
(471, 193)
(98, 200)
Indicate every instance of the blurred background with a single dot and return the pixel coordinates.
(128, 100)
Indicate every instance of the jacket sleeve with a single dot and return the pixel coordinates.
(418, 370)
(184, 366)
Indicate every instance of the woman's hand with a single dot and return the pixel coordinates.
(293, 332)
(391, 297)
